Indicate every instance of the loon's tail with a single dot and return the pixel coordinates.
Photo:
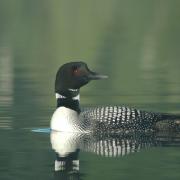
(168, 122)
(166, 116)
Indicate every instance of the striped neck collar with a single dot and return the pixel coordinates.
(59, 96)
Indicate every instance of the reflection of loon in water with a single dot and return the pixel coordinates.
(67, 147)
(67, 117)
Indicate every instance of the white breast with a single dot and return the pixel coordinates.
(64, 143)
(66, 120)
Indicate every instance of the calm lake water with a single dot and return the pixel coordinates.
(136, 43)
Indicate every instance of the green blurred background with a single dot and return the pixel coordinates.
(135, 42)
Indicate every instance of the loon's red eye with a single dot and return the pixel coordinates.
(76, 71)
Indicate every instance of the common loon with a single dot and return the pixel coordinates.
(69, 118)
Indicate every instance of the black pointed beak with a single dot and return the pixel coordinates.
(96, 76)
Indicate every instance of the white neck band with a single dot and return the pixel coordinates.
(59, 96)
(73, 90)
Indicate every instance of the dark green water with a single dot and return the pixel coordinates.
(136, 43)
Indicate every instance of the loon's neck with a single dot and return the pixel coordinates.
(69, 102)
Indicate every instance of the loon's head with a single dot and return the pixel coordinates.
(72, 76)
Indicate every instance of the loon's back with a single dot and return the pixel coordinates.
(116, 119)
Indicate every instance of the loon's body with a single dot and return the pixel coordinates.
(68, 116)
(115, 119)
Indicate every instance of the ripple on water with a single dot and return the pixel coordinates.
(6, 88)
